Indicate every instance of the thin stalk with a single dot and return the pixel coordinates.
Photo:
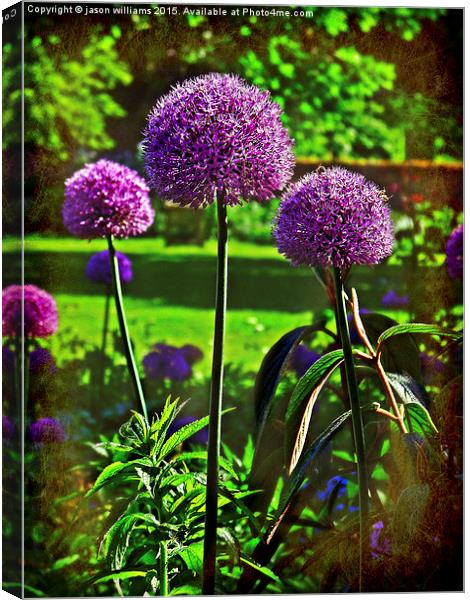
(104, 337)
(163, 566)
(26, 374)
(215, 422)
(131, 364)
(358, 426)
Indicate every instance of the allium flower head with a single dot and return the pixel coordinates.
(47, 431)
(333, 217)
(454, 252)
(106, 198)
(191, 353)
(166, 362)
(8, 429)
(217, 134)
(98, 269)
(393, 300)
(42, 362)
(40, 312)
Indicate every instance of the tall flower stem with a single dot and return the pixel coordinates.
(163, 566)
(131, 364)
(215, 411)
(358, 426)
(104, 337)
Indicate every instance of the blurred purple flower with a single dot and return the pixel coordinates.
(191, 353)
(166, 362)
(200, 437)
(8, 429)
(378, 543)
(454, 252)
(302, 359)
(106, 198)
(392, 300)
(98, 269)
(8, 359)
(41, 361)
(40, 312)
(333, 217)
(323, 495)
(47, 431)
(217, 134)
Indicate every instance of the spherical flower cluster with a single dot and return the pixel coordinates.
(170, 362)
(8, 429)
(216, 134)
(40, 312)
(47, 431)
(302, 359)
(98, 269)
(393, 300)
(454, 252)
(41, 362)
(200, 437)
(106, 198)
(333, 217)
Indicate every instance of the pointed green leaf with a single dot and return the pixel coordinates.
(417, 328)
(110, 473)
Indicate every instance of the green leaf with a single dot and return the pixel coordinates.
(192, 556)
(186, 590)
(409, 513)
(420, 419)
(264, 570)
(273, 366)
(304, 396)
(110, 473)
(417, 328)
(118, 575)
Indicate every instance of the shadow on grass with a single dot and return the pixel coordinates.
(190, 281)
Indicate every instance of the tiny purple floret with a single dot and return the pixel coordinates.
(393, 300)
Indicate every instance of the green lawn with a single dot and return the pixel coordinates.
(171, 296)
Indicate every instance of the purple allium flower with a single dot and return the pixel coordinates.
(98, 269)
(333, 217)
(191, 353)
(41, 361)
(106, 198)
(378, 543)
(40, 311)
(393, 300)
(454, 252)
(166, 362)
(217, 134)
(200, 437)
(302, 359)
(47, 431)
(8, 429)
(8, 359)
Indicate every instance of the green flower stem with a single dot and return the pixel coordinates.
(358, 426)
(210, 531)
(131, 364)
(104, 337)
(163, 564)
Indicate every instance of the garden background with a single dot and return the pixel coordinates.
(375, 89)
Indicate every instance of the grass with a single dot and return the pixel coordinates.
(171, 296)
